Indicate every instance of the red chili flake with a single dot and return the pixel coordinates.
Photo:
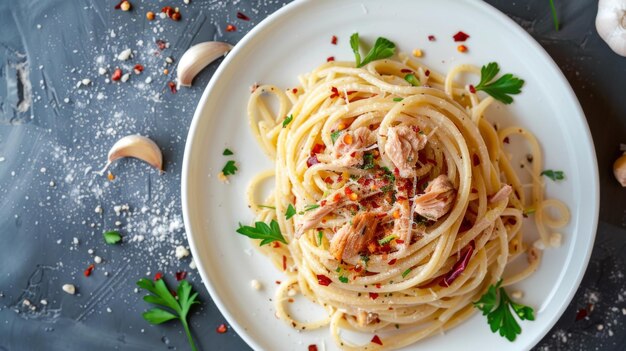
(376, 340)
(358, 268)
(323, 203)
(333, 40)
(222, 328)
(460, 266)
(119, 5)
(337, 197)
(392, 262)
(275, 244)
(158, 276)
(330, 59)
(176, 16)
(328, 180)
(406, 70)
(335, 92)
(323, 280)
(117, 75)
(460, 36)
(241, 16)
(277, 282)
(180, 275)
(168, 10)
(347, 190)
(399, 241)
(461, 48)
(294, 90)
(377, 285)
(138, 68)
(312, 347)
(427, 73)
(89, 270)
(583, 312)
(472, 89)
(475, 160)
(312, 161)
(231, 28)
(172, 86)
(162, 44)
(284, 263)
(373, 296)
(506, 140)
(318, 148)
(431, 38)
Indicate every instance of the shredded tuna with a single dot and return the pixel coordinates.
(402, 147)
(353, 237)
(348, 149)
(364, 318)
(502, 194)
(437, 198)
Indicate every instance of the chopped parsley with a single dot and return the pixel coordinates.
(112, 237)
(405, 273)
(386, 240)
(261, 230)
(382, 49)
(319, 238)
(555, 18)
(291, 211)
(398, 99)
(554, 175)
(308, 208)
(227, 152)
(502, 88)
(411, 78)
(343, 279)
(230, 168)
(368, 160)
(498, 311)
(287, 120)
(335, 135)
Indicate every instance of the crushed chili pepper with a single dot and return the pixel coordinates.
(472, 89)
(406, 70)
(231, 28)
(323, 280)
(117, 75)
(294, 90)
(158, 276)
(180, 275)
(427, 73)
(312, 347)
(119, 5)
(335, 92)
(399, 241)
(461, 48)
(89, 269)
(460, 36)
(333, 40)
(138, 68)
(161, 44)
(222, 328)
(376, 340)
(176, 16)
(168, 10)
(373, 296)
(284, 263)
(459, 266)
(377, 285)
(172, 86)
(392, 262)
(506, 140)
(431, 38)
(475, 160)
(583, 312)
(330, 59)
(241, 16)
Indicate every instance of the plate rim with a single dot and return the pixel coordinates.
(268, 21)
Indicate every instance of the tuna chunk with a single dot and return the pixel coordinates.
(353, 237)
(402, 147)
(437, 198)
(348, 149)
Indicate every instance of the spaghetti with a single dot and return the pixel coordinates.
(407, 206)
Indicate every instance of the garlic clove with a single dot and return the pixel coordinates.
(197, 57)
(135, 146)
(619, 170)
(611, 24)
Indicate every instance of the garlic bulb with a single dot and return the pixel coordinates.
(611, 24)
(197, 57)
(136, 146)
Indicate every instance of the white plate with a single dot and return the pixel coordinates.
(296, 39)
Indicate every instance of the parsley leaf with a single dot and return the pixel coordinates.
(555, 18)
(160, 295)
(386, 240)
(405, 273)
(335, 135)
(227, 152)
(398, 99)
(503, 87)
(554, 175)
(498, 311)
(287, 120)
(368, 160)
(319, 238)
(266, 233)
(308, 208)
(291, 211)
(229, 168)
(343, 279)
(382, 49)
(411, 78)
(112, 237)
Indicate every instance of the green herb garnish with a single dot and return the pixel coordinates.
(112, 237)
(335, 135)
(227, 152)
(382, 49)
(398, 99)
(555, 18)
(319, 238)
(161, 296)
(287, 120)
(266, 233)
(343, 279)
(503, 87)
(405, 273)
(308, 208)
(265, 206)
(229, 168)
(291, 211)
(554, 175)
(411, 78)
(386, 240)
(499, 314)
(368, 160)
